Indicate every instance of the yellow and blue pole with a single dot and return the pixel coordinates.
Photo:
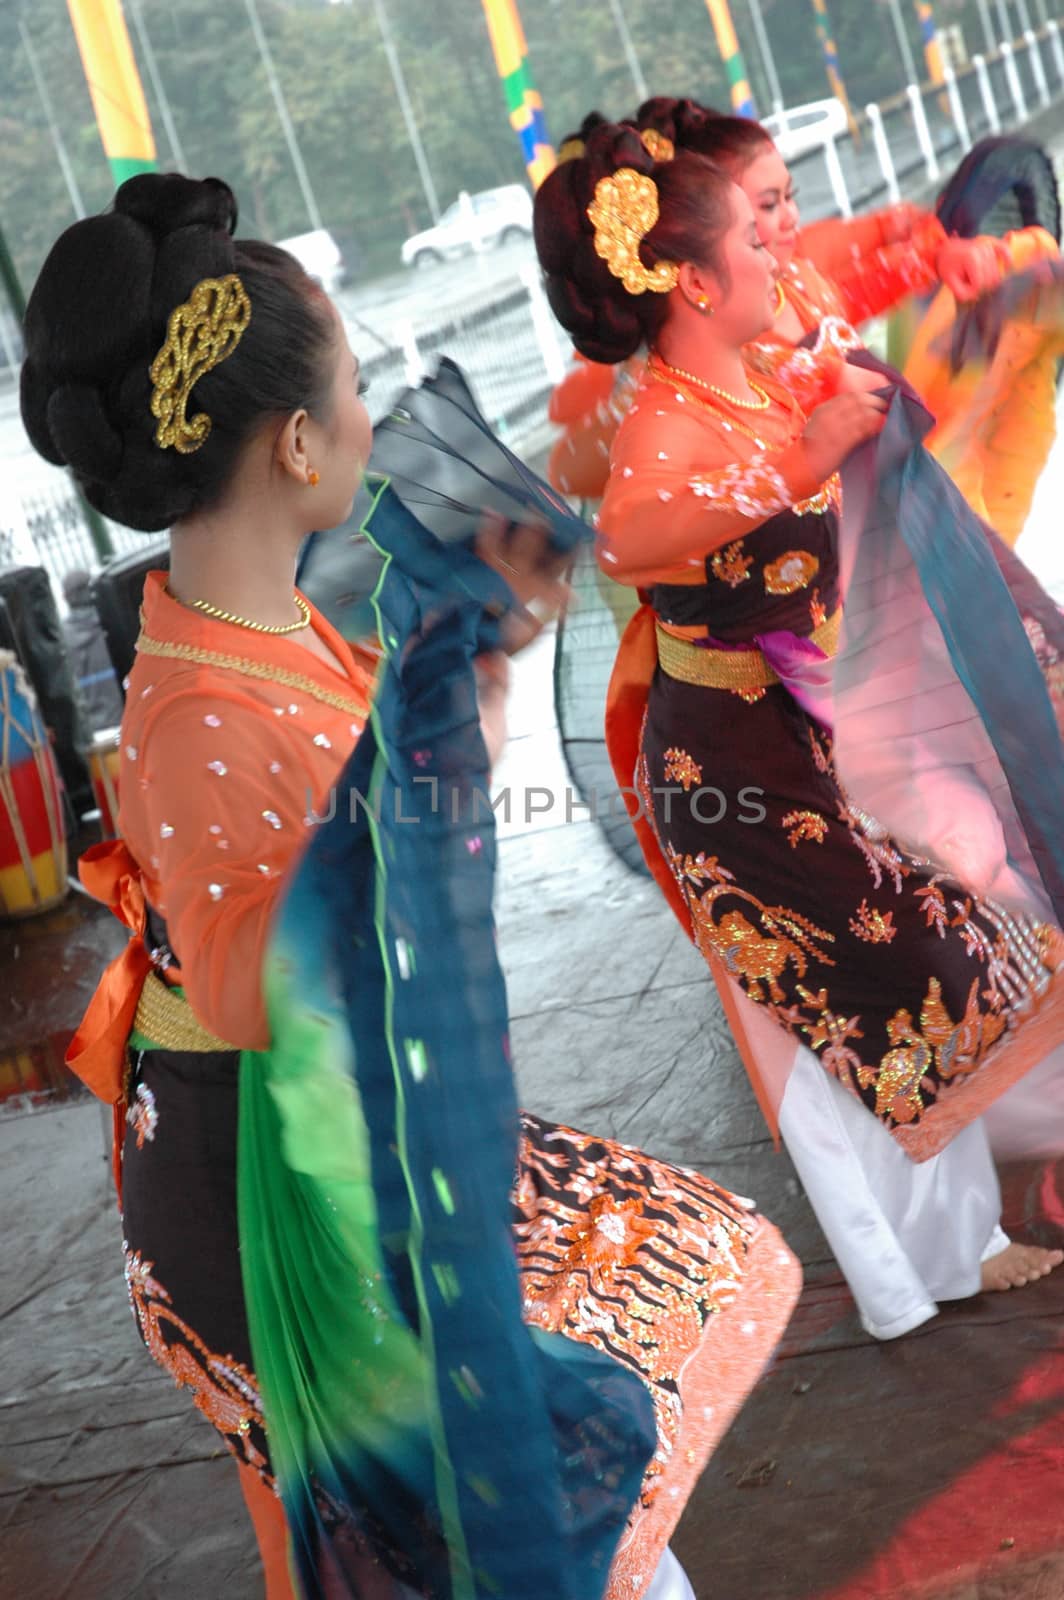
(115, 86)
(522, 98)
(830, 53)
(742, 98)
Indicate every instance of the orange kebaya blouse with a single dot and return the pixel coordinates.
(231, 741)
(687, 478)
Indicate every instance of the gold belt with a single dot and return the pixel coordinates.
(169, 1021)
(732, 669)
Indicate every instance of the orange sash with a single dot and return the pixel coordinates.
(97, 1052)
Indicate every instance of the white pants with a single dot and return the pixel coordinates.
(906, 1234)
(670, 1581)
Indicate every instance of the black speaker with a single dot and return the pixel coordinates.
(117, 592)
(29, 625)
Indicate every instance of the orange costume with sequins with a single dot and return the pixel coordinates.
(848, 944)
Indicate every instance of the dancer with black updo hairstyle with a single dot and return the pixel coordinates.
(204, 383)
(885, 995)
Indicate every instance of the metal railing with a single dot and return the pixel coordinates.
(918, 135)
(504, 336)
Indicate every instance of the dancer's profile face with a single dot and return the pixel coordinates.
(743, 305)
(347, 435)
(769, 187)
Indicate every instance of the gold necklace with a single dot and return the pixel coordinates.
(762, 402)
(729, 424)
(257, 627)
(781, 300)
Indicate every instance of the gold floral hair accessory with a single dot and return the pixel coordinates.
(571, 150)
(658, 144)
(200, 333)
(624, 210)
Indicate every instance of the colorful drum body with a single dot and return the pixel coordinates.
(33, 854)
(103, 770)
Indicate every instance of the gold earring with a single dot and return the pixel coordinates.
(312, 479)
(704, 305)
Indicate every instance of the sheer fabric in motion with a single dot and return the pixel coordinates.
(494, 1354)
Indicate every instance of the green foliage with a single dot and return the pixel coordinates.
(340, 95)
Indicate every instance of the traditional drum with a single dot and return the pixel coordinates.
(33, 855)
(103, 770)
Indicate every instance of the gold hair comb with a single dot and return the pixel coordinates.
(658, 144)
(200, 333)
(624, 210)
(571, 150)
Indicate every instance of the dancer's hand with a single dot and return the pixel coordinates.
(971, 267)
(493, 683)
(855, 379)
(899, 222)
(839, 426)
(533, 571)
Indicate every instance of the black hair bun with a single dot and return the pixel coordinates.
(98, 317)
(167, 201)
(604, 322)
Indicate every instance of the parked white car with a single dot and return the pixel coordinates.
(319, 255)
(473, 222)
(807, 127)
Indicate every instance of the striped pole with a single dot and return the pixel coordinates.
(522, 98)
(831, 61)
(115, 87)
(742, 97)
(925, 15)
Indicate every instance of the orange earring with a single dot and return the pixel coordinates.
(313, 479)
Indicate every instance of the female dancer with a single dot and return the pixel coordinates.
(824, 934)
(837, 274)
(202, 383)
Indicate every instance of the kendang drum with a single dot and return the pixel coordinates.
(103, 770)
(33, 854)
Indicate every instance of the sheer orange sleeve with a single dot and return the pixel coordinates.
(681, 486)
(811, 376)
(832, 244)
(874, 281)
(589, 384)
(217, 822)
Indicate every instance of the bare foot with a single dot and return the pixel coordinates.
(1017, 1265)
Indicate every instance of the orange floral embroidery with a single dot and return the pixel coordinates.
(934, 907)
(830, 1034)
(628, 1255)
(805, 825)
(873, 926)
(791, 572)
(758, 955)
(751, 488)
(682, 768)
(818, 611)
(142, 1115)
(730, 565)
(222, 1389)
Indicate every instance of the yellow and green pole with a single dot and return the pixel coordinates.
(523, 100)
(742, 97)
(830, 52)
(115, 86)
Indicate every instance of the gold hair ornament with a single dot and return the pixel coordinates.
(200, 333)
(624, 210)
(658, 144)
